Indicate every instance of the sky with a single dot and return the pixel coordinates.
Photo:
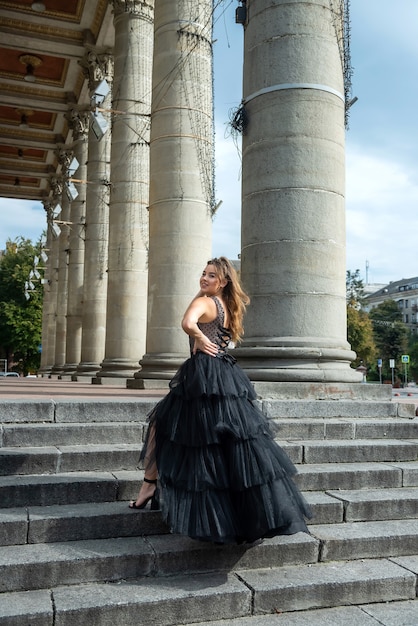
(381, 150)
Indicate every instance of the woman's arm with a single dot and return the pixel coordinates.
(200, 309)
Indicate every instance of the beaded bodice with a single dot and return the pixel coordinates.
(215, 330)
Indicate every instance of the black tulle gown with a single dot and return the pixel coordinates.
(222, 476)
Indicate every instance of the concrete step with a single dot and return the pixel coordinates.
(276, 408)
(75, 410)
(378, 504)
(53, 460)
(34, 435)
(45, 565)
(76, 522)
(125, 456)
(363, 540)
(75, 487)
(329, 584)
(73, 552)
(136, 409)
(344, 428)
(60, 434)
(328, 476)
(100, 520)
(259, 595)
(359, 451)
(402, 613)
(83, 458)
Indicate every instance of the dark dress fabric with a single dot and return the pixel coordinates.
(222, 476)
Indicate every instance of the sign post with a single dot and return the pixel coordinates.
(379, 365)
(405, 361)
(392, 367)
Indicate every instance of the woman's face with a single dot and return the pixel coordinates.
(210, 284)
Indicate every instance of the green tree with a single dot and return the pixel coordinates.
(360, 337)
(359, 326)
(354, 288)
(412, 350)
(20, 318)
(390, 334)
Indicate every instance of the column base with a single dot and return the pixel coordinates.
(147, 383)
(114, 369)
(86, 371)
(68, 370)
(57, 370)
(157, 367)
(110, 381)
(307, 363)
(45, 371)
(84, 378)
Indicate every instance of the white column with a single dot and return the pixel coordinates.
(293, 205)
(78, 120)
(98, 67)
(182, 191)
(64, 156)
(56, 185)
(129, 195)
(50, 302)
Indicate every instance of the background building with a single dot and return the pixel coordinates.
(405, 293)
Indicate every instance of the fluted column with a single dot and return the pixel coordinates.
(293, 205)
(64, 155)
(129, 196)
(56, 185)
(45, 367)
(98, 67)
(50, 294)
(78, 120)
(181, 192)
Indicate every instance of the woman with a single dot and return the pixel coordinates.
(223, 477)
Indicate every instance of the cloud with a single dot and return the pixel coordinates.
(382, 222)
(21, 218)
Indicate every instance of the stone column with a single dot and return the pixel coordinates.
(78, 120)
(64, 155)
(50, 302)
(129, 195)
(46, 354)
(293, 206)
(181, 191)
(98, 67)
(44, 368)
(56, 185)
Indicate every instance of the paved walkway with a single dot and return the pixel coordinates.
(49, 388)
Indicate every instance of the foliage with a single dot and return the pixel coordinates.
(413, 356)
(20, 319)
(390, 334)
(354, 289)
(359, 327)
(360, 337)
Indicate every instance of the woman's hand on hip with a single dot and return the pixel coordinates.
(205, 345)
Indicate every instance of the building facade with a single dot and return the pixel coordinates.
(405, 293)
(106, 116)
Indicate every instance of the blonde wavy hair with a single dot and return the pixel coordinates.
(236, 300)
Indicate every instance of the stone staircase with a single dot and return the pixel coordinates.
(71, 551)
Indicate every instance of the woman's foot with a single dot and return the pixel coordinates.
(147, 492)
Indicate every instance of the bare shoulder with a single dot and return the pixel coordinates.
(201, 309)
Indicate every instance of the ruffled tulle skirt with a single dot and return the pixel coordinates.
(222, 476)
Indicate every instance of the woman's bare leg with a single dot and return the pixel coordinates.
(151, 473)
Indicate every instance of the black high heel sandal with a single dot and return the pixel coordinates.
(155, 498)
